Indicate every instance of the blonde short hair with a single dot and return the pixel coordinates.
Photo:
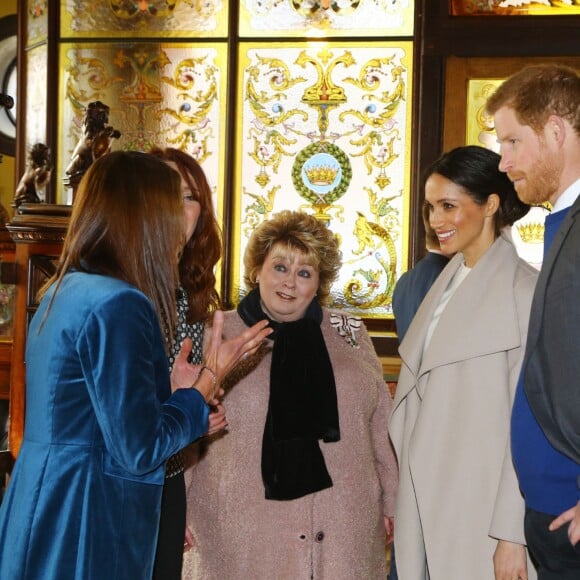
(298, 231)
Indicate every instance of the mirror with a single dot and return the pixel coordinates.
(8, 84)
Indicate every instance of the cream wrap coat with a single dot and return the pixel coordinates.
(334, 534)
(458, 490)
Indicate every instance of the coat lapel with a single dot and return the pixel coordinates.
(479, 294)
(411, 349)
(545, 275)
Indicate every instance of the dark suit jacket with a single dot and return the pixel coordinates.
(552, 361)
(412, 288)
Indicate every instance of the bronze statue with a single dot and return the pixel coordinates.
(95, 141)
(35, 177)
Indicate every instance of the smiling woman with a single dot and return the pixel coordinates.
(450, 423)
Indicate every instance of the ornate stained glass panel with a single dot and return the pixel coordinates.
(36, 21)
(158, 94)
(36, 113)
(480, 129)
(325, 128)
(326, 18)
(144, 18)
(514, 7)
(527, 233)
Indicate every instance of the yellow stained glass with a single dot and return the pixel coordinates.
(528, 232)
(145, 19)
(326, 18)
(514, 7)
(158, 94)
(325, 128)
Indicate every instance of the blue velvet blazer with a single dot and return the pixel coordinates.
(84, 498)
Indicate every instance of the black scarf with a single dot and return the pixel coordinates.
(302, 408)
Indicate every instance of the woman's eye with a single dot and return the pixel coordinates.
(448, 206)
(304, 274)
(279, 267)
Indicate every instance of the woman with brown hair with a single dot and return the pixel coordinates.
(459, 509)
(203, 246)
(197, 298)
(101, 420)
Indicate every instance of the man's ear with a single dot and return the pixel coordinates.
(556, 128)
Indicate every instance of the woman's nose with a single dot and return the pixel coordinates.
(435, 219)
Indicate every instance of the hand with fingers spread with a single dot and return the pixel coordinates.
(223, 356)
(220, 357)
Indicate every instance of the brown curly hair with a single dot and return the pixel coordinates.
(204, 249)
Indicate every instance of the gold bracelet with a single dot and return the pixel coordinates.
(213, 380)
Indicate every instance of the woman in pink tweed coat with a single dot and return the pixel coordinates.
(302, 485)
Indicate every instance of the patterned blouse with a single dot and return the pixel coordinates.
(184, 329)
(175, 464)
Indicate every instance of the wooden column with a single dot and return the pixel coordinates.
(38, 233)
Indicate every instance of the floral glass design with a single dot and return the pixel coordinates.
(326, 18)
(514, 7)
(144, 18)
(528, 232)
(479, 125)
(158, 94)
(325, 128)
(36, 111)
(37, 21)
